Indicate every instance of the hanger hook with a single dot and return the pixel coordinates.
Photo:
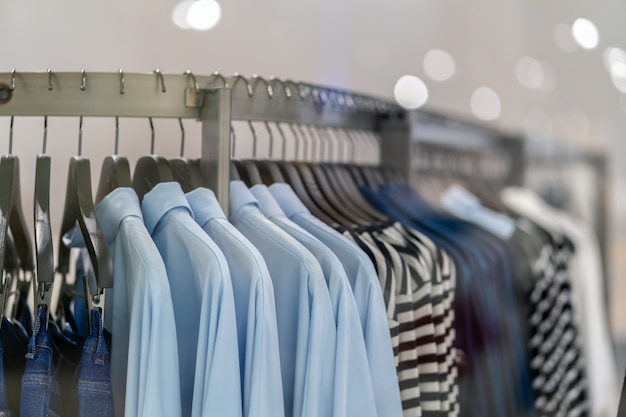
(83, 80)
(122, 81)
(13, 73)
(151, 136)
(50, 87)
(296, 86)
(45, 134)
(159, 75)
(217, 74)
(195, 82)
(117, 135)
(80, 136)
(283, 155)
(296, 150)
(238, 77)
(305, 143)
(269, 131)
(182, 137)
(268, 86)
(352, 154)
(254, 139)
(11, 135)
(331, 157)
(316, 138)
(286, 89)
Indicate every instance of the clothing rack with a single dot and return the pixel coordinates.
(213, 99)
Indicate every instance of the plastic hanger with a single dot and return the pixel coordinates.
(185, 171)
(43, 232)
(11, 215)
(344, 186)
(150, 170)
(291, 176)
(115, 170)
(268, 169)
(79, 209)
(338, 201)
(301, 178)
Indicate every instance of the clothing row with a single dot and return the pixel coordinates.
(530, 324)
(255, 316)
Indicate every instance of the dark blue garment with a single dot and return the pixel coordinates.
(15, 347)
(4, 399)
(93, 395)
(40, 388)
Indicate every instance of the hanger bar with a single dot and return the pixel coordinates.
(104, 94)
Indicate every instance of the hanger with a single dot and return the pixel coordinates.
(11, 216)
(247, 169)
(185, 171)
(115, 170)
(337, 200)
(269, 170)
(346, 186)
(304, 184)
(79, 209)
(43, 233)
(150, 170)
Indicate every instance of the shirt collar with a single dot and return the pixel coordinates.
(240, 196)
(111, 211)
(267, 204)
(164, 197)
(287, 199)
(204, 205)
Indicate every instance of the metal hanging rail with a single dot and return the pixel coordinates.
(158, 95)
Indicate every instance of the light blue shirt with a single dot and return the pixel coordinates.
(368, 296)
(261, 381)
(354, 395)
(306, 327)
(204, 307)
(138, 313)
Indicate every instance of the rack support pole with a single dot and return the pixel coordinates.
(215, 116)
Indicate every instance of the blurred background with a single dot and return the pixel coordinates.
(553, 71)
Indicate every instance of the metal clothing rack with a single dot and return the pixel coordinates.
(213, 99)
(158, 95)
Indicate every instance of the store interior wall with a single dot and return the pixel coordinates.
(360, 45)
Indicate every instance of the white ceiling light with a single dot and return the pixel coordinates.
(585, 33)
(439, 65)
(179, 14)
(204, 14)
(562, 35)
(410, 92)
(485, 104)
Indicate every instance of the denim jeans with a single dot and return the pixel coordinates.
(15, 346)
(93, 396)
(4, 399)
(40, 388)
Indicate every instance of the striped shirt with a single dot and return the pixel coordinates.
(418, 280)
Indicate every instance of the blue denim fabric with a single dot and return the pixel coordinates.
(93, 395)
(15, 347)
(40, 388)
(4, 399)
